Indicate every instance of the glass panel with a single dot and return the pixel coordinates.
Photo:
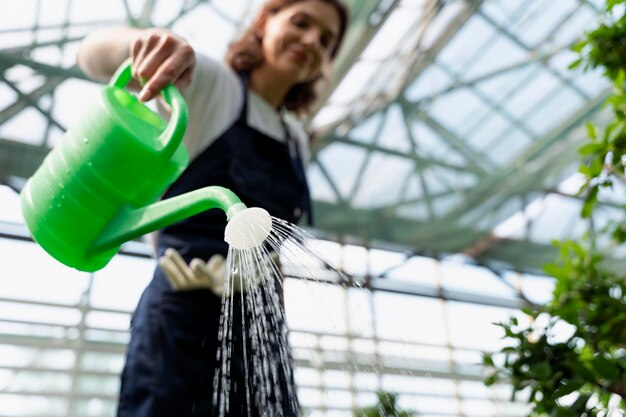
(460, 51)
(202, 24)
(469, 279)
(471, 326)
(508, 147)
(501, 85)
(533, 93)
(381, 183)
(430, 143)
(495, 127)
(580, 22)
(366, 130)
(541, 19)
(326, 300)
(552, 112)
(85, 11)
(71, 100)
(320, 188)
(417, 270)
(343, 163)
(354, 82)
(37, 276)
(431, 81)
(555, 220)
(496, 55)
(392, 33)
(394, 135)
(10, 208)
(32, 405)
(409, 319)
(457, 109)
(28, 126)
(503, 11)
(20, 15)
(102, 362)
(119, 285)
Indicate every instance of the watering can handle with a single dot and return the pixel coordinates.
(171, 137)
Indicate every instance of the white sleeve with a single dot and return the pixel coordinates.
(213, 98)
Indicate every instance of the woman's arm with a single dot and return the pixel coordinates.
(158, 56)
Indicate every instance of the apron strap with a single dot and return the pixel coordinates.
(294, 148)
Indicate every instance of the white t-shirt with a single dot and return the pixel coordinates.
(215, 100)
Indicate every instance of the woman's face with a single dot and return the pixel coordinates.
(298, 40)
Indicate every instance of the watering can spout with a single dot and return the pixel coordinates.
(130, 222)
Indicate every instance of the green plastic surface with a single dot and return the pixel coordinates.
(99, 187)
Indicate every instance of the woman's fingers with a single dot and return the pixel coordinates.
(141, 48)
(168, 72)
(160, 58)
(185, 79)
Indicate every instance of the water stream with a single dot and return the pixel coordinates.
(262, 335)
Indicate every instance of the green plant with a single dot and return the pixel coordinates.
(604, 155)
(386, 407)
(570, 359)
(575, 347)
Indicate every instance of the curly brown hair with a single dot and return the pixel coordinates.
(246, 53)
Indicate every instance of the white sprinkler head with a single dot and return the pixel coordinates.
(248, 229)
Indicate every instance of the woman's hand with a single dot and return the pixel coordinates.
(160, 57)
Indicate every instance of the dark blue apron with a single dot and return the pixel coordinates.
(171, 357)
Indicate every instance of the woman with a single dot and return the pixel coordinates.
(238, 138)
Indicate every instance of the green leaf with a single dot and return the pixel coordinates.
(488, 359)
(575, 64)
(578, 47)
(569, 387)
(610, 4)
(591, 131)
(605, 368)
(584, 169)
(542, 370)
(590, 149)
(553, 270)
(590, 202)
(491, 379)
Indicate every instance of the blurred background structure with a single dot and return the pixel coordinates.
(444, 167)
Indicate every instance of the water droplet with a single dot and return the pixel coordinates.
(89, 163)
(86, 140)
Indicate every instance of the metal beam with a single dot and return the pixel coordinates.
(13, 109)
(34, 104)
(11, 59)
(425, 57)
(422, 161)
(541, 158)
(34, 45)
(478, 162)
(19, 159)
(362, 30)
(459, 84)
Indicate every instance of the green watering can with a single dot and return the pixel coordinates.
(99, 188)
